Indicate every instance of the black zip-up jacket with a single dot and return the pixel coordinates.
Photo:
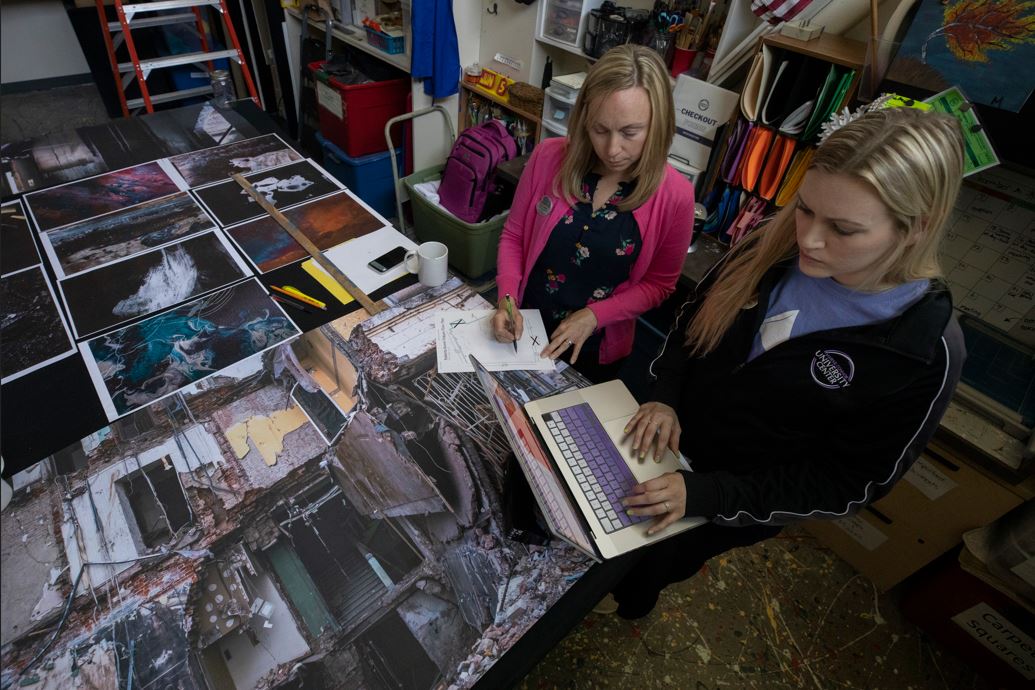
(817, 427)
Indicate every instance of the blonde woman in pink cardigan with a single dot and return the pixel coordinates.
(600, 223)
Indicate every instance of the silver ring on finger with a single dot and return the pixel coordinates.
(570, 341)
(667, 509)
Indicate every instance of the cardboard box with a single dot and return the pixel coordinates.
(924, 516)
(975, 621)
(885, 551)
(701, 109)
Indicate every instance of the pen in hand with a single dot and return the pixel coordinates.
(510, 315)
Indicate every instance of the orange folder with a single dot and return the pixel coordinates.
(754, 156)
(775, 166)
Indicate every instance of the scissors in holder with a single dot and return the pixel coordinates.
(666, 20)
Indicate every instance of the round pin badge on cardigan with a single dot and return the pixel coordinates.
(544, 206)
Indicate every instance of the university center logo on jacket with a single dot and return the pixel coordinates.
(832, 369)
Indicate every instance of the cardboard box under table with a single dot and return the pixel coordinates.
(472, 246)
(924, 516)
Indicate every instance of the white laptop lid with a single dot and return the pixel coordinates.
(548, 489)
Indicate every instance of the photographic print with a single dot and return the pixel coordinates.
(114, 236)
(94, 196)
(245, 156)
(981, 46)
(289, 185)
(322, 411)
(32, 330)
(44, 161)
(327, 222)
(149, 282)
(17, 248)
(144, 362)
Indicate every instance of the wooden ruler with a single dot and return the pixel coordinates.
(325, 263)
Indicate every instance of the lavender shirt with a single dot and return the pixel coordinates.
(800, 305)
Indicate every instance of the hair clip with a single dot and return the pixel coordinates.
(840, 119)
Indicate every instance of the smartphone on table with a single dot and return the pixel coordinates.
(388, 260)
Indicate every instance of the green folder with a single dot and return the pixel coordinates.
(821, 100)
(977, 148)
(830, 97)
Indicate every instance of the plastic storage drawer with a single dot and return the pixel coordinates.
(552, 130)
(562, 21)
(557, 107)
(567, 86)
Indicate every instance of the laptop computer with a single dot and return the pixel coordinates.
(579, 465)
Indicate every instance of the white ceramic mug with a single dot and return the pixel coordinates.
(430, 262)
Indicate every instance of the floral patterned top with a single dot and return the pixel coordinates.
(588, 255)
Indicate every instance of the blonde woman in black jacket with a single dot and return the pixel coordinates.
(815, 362)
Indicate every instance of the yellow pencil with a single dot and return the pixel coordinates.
(298, 293)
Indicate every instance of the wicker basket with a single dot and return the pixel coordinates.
(526, 97)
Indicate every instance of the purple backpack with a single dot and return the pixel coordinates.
(470, 172)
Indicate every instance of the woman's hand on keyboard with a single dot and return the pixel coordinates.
(663, 497)
(654, 423)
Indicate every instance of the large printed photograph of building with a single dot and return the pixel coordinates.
(215, 540)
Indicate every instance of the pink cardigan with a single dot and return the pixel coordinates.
(665, 221)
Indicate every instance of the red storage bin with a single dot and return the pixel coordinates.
(353, 116)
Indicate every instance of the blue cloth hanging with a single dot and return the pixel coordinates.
(436, 54)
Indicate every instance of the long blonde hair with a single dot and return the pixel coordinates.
(913, 161)
(620, 68)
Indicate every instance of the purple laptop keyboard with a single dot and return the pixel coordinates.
(601, 471)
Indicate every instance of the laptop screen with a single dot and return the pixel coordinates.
(545, 484)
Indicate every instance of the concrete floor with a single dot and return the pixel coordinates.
(786, 613)
(34, 113)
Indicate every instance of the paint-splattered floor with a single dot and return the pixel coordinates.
(785, 613)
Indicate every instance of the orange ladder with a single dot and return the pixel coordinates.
(129, 17)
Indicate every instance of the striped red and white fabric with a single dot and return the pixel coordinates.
(778, 11)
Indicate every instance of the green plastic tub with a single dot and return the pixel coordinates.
(472, 246)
